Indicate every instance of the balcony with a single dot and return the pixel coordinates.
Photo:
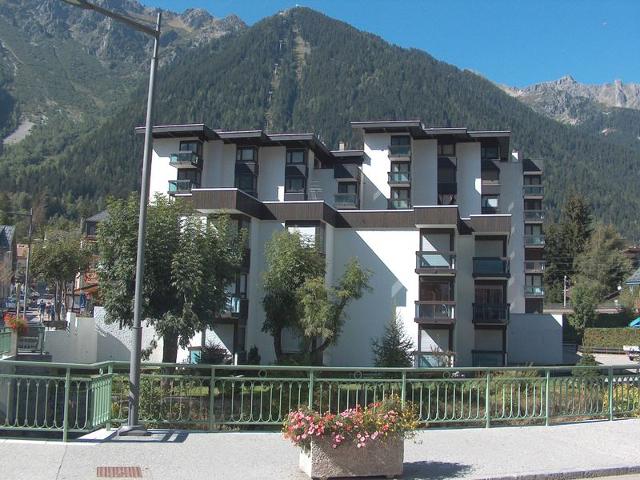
(399, 204)
(436, 312)
(399, 178)
(433, 359)
(534, 240)
(533, 190)
(235, 307)
(489, 358)
(181, 186)
(435, 263)
(401, 151)
(343, 201)
(534, 266)
(491, 267)
(488, 314)
(533, 291)
(185, 160)
(533, 216)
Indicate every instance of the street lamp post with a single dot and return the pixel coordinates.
(133, 425)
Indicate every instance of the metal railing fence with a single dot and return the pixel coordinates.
(70, 398)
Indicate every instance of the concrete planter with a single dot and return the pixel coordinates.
(378, 458)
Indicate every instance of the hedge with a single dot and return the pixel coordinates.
(610, 337)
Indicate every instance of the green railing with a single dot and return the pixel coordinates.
(80, 398)
(5, 341)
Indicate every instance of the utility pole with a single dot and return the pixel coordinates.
(564, 291)
(26, 273)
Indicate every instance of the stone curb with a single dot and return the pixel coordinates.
(572, 474)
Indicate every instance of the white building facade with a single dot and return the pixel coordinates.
(448, 221)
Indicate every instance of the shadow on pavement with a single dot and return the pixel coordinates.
(155, 436)
(434, 470)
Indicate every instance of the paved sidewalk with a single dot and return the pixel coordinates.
(595, 449)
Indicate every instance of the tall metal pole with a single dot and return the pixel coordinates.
(136, 347)
(564, 291)
(26, 274)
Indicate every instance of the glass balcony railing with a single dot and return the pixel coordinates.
(534, 215)
(491, 313)
(433, 359)
(399, 177)
(399, 150)
(534, 190)
(345, 200)
(184, 159)
(233, 305)
(436, 260)
(181, 186)
(490, 267)
(533, 291)
(488, 358)
(437, 311)
(399, 204)
(534, 265)
(534, 240)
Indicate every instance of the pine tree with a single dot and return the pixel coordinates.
(394, 348)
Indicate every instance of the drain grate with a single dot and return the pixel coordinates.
(119, 472)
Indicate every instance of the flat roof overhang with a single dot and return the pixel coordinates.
(490, 224)
(189, 130)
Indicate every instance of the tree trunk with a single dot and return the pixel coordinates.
(170, 348)
(277, 345)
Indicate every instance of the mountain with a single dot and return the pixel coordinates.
(611, 110)
(59, 60)
(300, 70)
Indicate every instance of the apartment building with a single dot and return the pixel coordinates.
(448, 220)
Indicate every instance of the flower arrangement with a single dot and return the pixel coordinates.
(358, 425)
(16, 324)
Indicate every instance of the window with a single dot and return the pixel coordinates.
(400, 167)
(246, 182)
(532, 229)
(532, 180)
(447, 199)
(488, 152)
(490, 295)
(490, 203)
(190, 146)
(348, 187)
(296, 157)
(435, 290)
(294, 184)
(400, 140)
(400, 198)
(246, 154)
(447, 149)
(533, 280)
(189, 174)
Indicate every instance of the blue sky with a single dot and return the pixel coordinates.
(516, 42)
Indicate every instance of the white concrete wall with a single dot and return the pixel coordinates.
(434, 340)
(469, 178)
(212, 175)
(535, 339)
(511, 201)
(390, 255)
(375, 191)
(424, 172)
(161, 171)
(271, 164)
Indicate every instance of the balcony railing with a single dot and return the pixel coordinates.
(433, 359)
(488, 358)
(181, 186)
(435, 311)
(494, 314)
(396, 178)
(345, 200)
(533, 291)
(399, 204)
(490, 267)
(184, 159)
(435, 260)
(399, 150)
(5, 341)
(536, 266)
(534, 215)
(534, 240)
(533, 190)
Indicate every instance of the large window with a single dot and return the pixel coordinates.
(348, 187)
(294, 184)
(532, 180)
(400, 140)
(400, 145)
(296, 157)
(246, 182)
(435, 290)
(447, 149)
(246, 154)
(400, 198)
(489, 152)
(489, 294)
(490, 203)
(189, 174)
(190, 146)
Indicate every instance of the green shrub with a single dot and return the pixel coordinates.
(610, 337)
